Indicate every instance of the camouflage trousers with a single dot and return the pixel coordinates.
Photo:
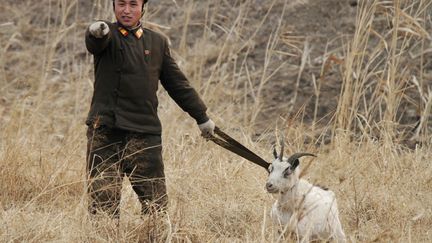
(113, 154)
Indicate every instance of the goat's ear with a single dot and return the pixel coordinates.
(294, 164)
(275, 153)
(270, 168)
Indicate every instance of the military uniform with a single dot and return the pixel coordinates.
(124, 134)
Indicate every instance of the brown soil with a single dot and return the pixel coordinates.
(326, 26)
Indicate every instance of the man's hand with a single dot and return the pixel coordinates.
(99, 29)
(207, 128)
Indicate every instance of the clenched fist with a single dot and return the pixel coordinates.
(99, 29)
(207, 128)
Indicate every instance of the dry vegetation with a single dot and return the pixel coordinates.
(360, 97)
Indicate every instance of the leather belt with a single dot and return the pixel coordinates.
(229, 143)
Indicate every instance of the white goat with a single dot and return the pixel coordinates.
(305, 210)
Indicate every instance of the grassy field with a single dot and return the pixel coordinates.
(373, 144)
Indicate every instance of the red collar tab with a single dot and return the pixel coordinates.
(123, 31)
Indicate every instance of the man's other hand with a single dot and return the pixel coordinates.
(99, 29)
(207, 128)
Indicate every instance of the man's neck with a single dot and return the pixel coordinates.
(138, 25)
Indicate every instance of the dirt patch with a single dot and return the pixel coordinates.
(308, 59)
(325, 27)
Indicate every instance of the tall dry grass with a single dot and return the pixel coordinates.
(383, 187)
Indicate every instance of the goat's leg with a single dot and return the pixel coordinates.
(339, 235)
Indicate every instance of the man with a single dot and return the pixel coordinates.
(124, 131)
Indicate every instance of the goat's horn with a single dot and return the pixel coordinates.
(282, 148)
(295, 156)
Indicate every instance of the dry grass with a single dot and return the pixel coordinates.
(383, 188)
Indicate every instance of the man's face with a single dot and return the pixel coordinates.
(128, 12)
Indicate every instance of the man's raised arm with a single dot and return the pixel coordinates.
(97, 38)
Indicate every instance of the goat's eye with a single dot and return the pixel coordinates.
(287, 172)
(270, 168)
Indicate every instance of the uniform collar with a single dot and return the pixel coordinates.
(137, 31)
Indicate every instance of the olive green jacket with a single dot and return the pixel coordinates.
(127, 73)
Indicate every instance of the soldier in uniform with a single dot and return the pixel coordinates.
(124, 131)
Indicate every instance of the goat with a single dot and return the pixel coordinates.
(305, 210)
